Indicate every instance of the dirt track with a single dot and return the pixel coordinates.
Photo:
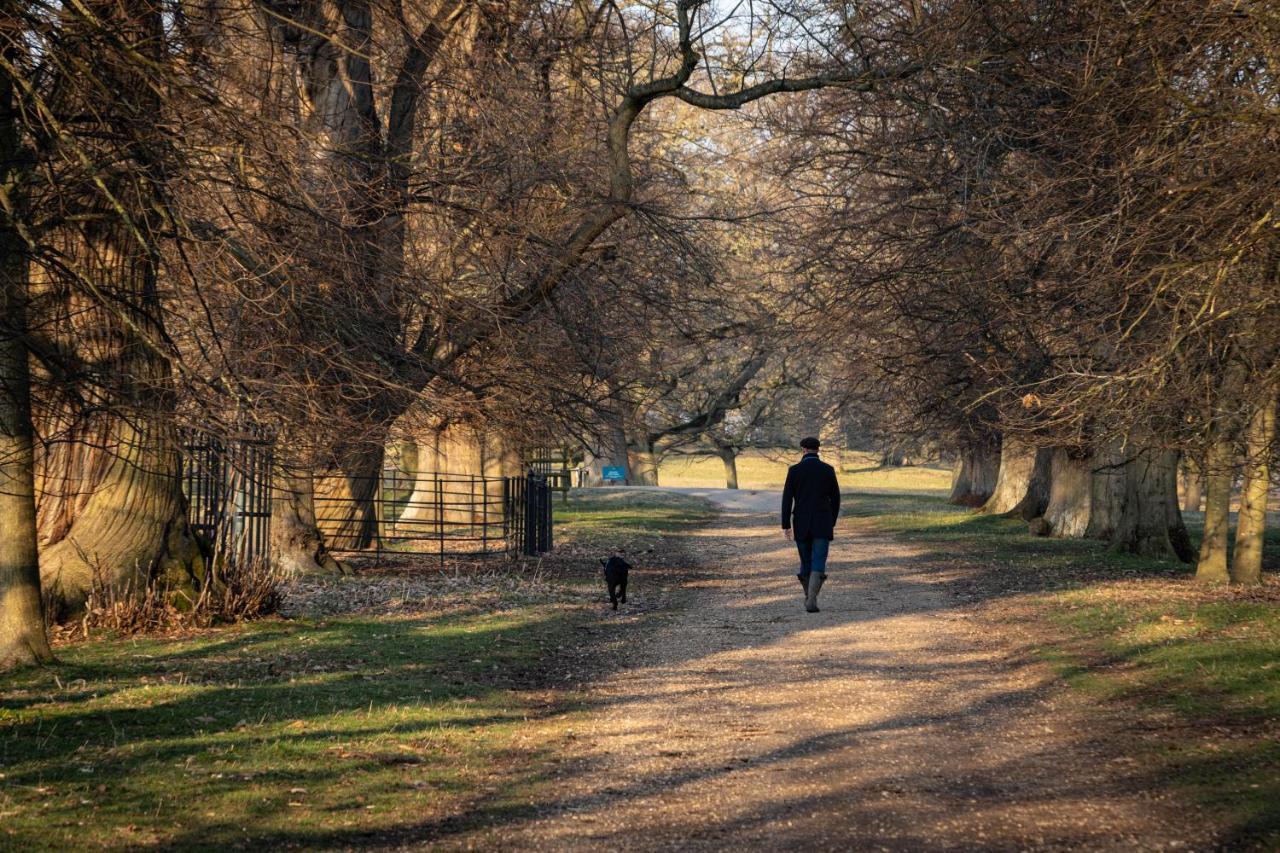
(891, 720)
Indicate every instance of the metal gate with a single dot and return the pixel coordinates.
(531, 509)
(444, 515)
(227, 483)
(556, 465)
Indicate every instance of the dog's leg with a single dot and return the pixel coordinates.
(622, 588)
(613, 595)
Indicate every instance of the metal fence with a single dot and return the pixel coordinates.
(228, 486)
(555, 466)
(227, 483)
(446, 515)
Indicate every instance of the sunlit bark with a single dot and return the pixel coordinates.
(1246, 561)
(1022, 486)
(22, 633)
(975, 476)
(1219, 473)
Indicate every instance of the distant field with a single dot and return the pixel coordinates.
(766, 469)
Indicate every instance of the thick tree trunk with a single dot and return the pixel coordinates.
(1070, 505)
(424, 505)
(1022, 486)
(643, 464)
(443, 489)
(1150, 523)
(406, 456)
(1192, 485)
(110, 504)
(297, 546)
(729, 457)
(111, 508)
(1219, 473)
(1106, 491)
(1114, 497)
(120, 503)
(975, 476)
(22, 635)
(1251, 523)
(347, 497)
(500, 457)
(611, 453)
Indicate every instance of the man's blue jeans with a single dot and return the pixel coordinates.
(813, 555)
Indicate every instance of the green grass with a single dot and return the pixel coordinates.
(1138, 631)
(767, 469)
(591, 514)
(279, 731)
(323, 732)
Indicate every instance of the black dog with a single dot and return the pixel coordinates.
(615, 575)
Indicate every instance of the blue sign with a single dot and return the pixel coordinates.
(613, 472)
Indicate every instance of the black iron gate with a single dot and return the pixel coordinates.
(530, 507)
(227, 483)
(445, 515)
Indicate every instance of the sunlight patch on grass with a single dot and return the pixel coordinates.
(316, 730)
(767, 469)
(298, 733)
(1138, 630)
(630, 515)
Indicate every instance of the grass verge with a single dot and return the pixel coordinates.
(1199, 668)
(395, 707)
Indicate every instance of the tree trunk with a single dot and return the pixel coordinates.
(22, 635)
(111, 508)
(1106, 491)
(975, 476)
(1022, 486)
(347, 497)
(1219, 473)
(297, 546)
(729, 457)
(892, 457)
(1192, 486)
(406, 450)
(1150, 523)
(1090, 496)
(109, 497)
(124, 514)
(1070, 506)
(500, 457)
(442, 489)
(643, 459)
(612, 453)
(1251, 523)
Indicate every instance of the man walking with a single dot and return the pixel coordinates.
(811, 499)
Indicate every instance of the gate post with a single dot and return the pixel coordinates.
(537, 515)
(530, 514)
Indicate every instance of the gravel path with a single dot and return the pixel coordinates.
(891, 720)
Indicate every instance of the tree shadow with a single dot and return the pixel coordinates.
(895, 797)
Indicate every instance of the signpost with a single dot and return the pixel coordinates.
(613, 472)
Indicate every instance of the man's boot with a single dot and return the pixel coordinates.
(804, 582)
(815, 586)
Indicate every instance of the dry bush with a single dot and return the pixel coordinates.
(145, 605)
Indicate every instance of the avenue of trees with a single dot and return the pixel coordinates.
(1042, 235)
(354, 225)
(1062, 262)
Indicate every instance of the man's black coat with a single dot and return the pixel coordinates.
(812, 489)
